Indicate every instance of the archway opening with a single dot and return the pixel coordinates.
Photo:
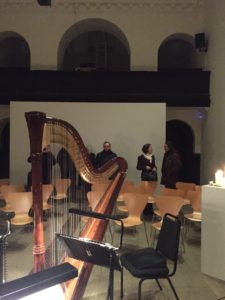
(85, 46)
(182, 136)
(14, 51)
(178, 52)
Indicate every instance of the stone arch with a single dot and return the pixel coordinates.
(177, 51)
(98, 27)
(14, 50)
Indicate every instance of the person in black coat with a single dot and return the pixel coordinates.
(105, 155)
(146, 164)
(48, 160)
(171, 166)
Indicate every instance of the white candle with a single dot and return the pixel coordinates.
(223, 182)
(219, 177)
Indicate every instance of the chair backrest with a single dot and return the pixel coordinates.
(135, 203)
(7, 189)
(4, 181)
(127, 184)
(171, 192)
(198, 188)
(47, 190)
(101, 186)
(195, 198)
(185, 186)
(169, 236)
(21, 201)
(62, 185)
(169, 204)
(93, 198)
(147, 187)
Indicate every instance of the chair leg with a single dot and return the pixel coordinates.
(139, 288)
(159, 285)
(154, 237)
(182, 239)
(121, 283)
(111, 232)
(146, 233)
(173, 289)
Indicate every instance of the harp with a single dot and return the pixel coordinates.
(42, 131)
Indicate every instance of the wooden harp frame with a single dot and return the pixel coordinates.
(38, 123)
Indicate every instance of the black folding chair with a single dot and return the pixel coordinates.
(150, 263)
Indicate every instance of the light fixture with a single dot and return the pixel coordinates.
(36, 285)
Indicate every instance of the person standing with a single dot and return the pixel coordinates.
(171, 166)
(146, 164)
(48, 161)
(105, 155)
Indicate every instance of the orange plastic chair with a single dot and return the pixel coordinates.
(185, 186)
(93, 198)
(129, 189)
(21, 203)
(101, 186)
(127, 186)
(172, 192)
(148, 187)
(61, 187)
(5, 191)
(47, 190)
(167, 204)
(135, 203)
(195, 198)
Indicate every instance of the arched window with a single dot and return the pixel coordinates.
(14, 51)
(178, 52)
(85, 46)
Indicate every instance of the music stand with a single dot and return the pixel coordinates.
(94, 252)
(97, 215)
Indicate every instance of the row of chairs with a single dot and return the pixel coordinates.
(19, 201)
(171, 201)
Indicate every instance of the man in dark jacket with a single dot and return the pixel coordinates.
(171, 166)
(105, 155)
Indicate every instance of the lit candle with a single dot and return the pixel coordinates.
(223, 182)
(219, 177)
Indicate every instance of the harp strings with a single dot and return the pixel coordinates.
(69, 191)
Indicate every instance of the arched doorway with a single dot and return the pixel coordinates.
(182, 136)
(14, 51)
(178, 52)
(4, 149)
(86, 46)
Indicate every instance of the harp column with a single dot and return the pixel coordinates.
(35, 123)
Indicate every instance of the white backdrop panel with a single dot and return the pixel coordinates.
(126, 125)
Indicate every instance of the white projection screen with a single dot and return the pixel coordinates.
(126, 125)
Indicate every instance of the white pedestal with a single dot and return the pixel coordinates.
(213, 232)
